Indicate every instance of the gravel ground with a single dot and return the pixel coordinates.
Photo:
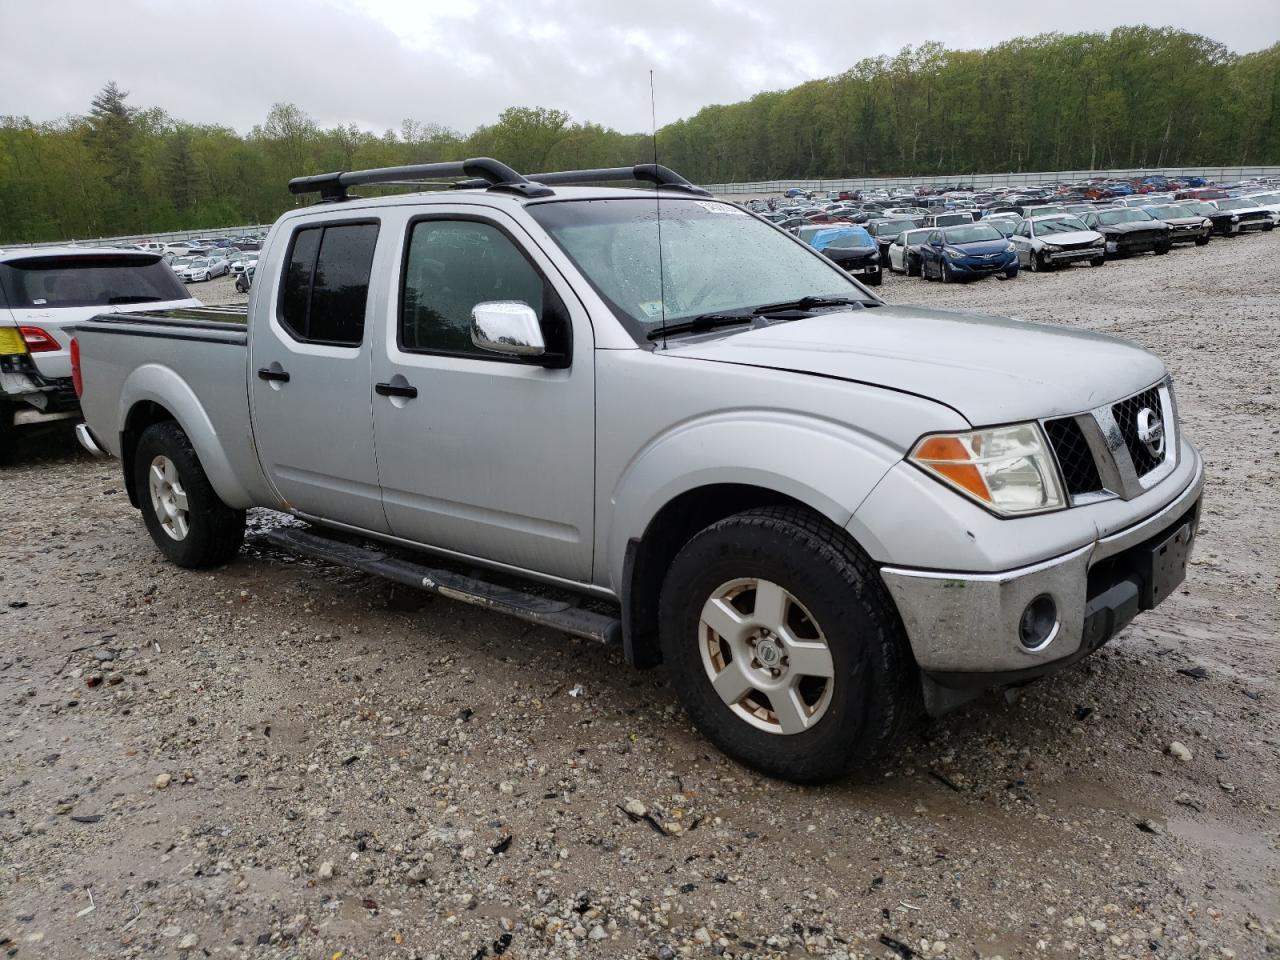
(283, 759)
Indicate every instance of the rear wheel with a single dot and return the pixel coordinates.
(784, 646)
(183, 514)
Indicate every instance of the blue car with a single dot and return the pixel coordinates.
(965, 252)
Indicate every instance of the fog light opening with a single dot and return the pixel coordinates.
(1039, 623)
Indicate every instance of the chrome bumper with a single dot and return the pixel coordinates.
(85, 436)
(967, 623)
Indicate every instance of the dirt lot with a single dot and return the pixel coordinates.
(282, 759)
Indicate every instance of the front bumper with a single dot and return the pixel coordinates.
(964, 627)
(1074, 254)
(973, 267)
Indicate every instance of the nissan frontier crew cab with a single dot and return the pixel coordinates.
(651, 417)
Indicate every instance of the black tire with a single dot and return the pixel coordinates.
(913, 267)
(876, 691)
(1161, 250)
(1011, 273)
(944, 273)
(873, 279)
(215, 531)
(1202, 241)
(1098, 262)
(1268, 227)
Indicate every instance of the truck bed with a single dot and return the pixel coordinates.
(193, 363)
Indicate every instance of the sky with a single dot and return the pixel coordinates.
(377, 62)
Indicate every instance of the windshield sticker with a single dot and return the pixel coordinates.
(651, 308)
(711, 207)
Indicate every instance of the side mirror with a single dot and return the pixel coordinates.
(507, 326)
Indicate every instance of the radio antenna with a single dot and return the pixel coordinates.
(657, 206)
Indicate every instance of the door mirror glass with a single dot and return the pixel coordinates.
(507, 326)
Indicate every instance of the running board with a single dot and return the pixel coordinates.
(545, 611)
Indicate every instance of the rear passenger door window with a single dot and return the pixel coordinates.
(450, 266)
(326, 283)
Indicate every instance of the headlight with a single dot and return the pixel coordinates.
(1008, 470)
(1234, 218)
(1052, 247)
(1100, 242)
(953, 252)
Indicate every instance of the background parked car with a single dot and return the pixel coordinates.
(967, 252)
(904, 252)
(1187, 227)
(885, 232)
(1128, 230)
(1043, 243)
(1249, 215)
(852, 248)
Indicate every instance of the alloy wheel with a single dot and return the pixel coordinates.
(168, 499)
(766, 656)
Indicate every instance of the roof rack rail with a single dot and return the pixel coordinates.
(484, 171)
(654, 173)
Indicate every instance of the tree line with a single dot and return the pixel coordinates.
(1134, 97)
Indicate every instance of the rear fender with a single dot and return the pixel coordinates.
(161, 385)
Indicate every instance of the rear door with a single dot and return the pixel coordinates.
(309, 372)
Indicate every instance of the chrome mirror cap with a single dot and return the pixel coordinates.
(507, 326)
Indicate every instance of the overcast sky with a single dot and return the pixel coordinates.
(376, 62)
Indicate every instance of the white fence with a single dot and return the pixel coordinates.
(984, 180)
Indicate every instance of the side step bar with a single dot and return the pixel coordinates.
(545, 611)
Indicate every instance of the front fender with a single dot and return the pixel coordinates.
(163, 386)
(824, 464)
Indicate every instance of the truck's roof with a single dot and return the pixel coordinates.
(492, 198)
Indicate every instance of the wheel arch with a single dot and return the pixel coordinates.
(153, 394)
(648, 557)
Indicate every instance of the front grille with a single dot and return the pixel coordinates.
(1126, 415)
(1079, 470)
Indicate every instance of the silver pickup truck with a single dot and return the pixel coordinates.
(651, 417)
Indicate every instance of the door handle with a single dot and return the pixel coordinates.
(395, 390)
(266, 373)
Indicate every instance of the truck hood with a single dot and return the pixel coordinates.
(990, 369)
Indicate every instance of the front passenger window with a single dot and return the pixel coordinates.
(451, 266)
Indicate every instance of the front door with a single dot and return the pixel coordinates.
(309, 375)
(480, 453)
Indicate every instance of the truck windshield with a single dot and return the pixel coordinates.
(91, 280)
(715, 259)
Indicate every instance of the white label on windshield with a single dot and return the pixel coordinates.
(720, 208)
(652, 308)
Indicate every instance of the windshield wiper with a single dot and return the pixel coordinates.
(812, 303)
(705, 321)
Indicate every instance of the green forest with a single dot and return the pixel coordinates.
(1134, 97)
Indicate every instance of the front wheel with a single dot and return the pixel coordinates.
(1202, 241)
(183, 514)
(913, 267)
(1011, 273)
(873, 279)
(947, 276)
(784, 646)
(1164, 248)
(1097, 261)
